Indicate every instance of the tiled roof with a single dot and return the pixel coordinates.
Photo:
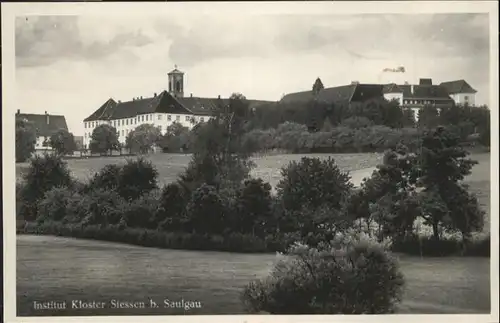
(163, 103)
(425, 92)
(45, 124)
(201, 106)
(460, 86)
(103, 112)
(392, 88)
(339, 94)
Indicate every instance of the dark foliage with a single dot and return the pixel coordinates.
(360, 278)
(312, 183)
(136, 178)
(44, 173)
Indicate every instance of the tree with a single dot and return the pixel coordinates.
(25, 140)
(442, 164)
(177, 138)
(219, 154)
(428, 117)
(317, 86)
(142, 138)
(104, 139)
(63, 142)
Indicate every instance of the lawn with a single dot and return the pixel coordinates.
(65, 269)
(171, 165)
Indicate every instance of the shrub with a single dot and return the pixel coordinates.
(312, 183)
(253, 207)
(45, 172)
(149, 238)
(136, 178)
(54, 205)
(172, 207)
(359, 278)
(107, 178)
(99, 207)
(205, 210)
(141, 213)
(357, 122)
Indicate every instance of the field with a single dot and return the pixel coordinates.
(171, 165)
(63, 269)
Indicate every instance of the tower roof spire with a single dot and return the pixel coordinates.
(175, 71)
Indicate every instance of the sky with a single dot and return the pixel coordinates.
(71, 65)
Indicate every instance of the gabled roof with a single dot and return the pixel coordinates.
(103, 112)
(392, 88)
(45, 124)
(460, 86)
(424, 92)
(162, 103)
(338, 94)
(201, 106)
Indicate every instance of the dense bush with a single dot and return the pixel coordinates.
(54, 205)
(136, 178)
(171, 215)
(151, 238)
(142, 212)
(107, 178)
(427, 246)
(354, 136)
(252, 209)
(206, 211)
(358, 278)
(98, 207)
(44, 173)
(312, 182)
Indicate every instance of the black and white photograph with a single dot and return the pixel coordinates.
(271, 159)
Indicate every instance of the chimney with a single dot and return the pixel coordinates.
(191, 94)
(155, 94)
(47, 117)
(354, 82)
(425, 81)
(18, 111)
(218, 97)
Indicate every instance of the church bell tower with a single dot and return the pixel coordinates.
(176, 83)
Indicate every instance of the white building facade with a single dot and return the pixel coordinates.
(161, 111)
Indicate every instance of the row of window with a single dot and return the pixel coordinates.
(417, 102)
(141, 118)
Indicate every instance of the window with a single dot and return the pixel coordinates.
(142, 118)
(466, 98)
(159, 117)
(169, 117)
(136, 120)
(147, 117)
(178, 118)
(123, 133)
(126, 122)
(187, 118)
(202, 119)
(85, 124)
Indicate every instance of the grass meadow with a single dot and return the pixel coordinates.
(65, 269)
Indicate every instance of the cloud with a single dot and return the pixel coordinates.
(43, 40)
